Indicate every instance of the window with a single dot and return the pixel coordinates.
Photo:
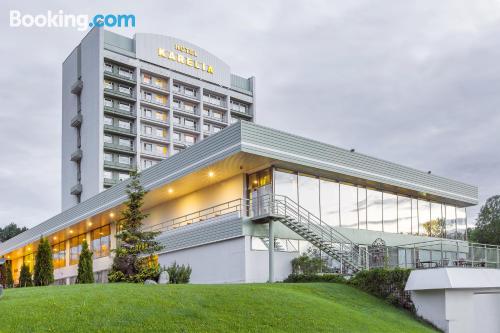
(437, 222)
(404, 215)
(124, 124)
(108, 67)
(177, 88)
(177, 136)
(146, 78)
(161, 132)
(108, 174)
(108, 139)
(108, 102)
(451, 226)
(189, 107)
(424, 217)
(189, 91)
(125, 90)
(148, 130)
(461, 223)
(234, 120)
(108, 157)
(101, 241)
(147, 113)
(217, 115)
(348, 206)
(108, 121)
(390, 213)
(125, 72)
(124, 106)
(75, 248)
(160, 99)
(148, 163)
(147, 147)
(161, 150)
(206, 113)
(124, 159)
(189, 123)
(374, 209)
(147, 96)
(206, 128)
(189, 139)
(213, 99)
(177, 120)
(108, 84)
(217, 129)
(123, 176)
(286, 183)
(309, 193)
(125, 142)
(59, 255)
(329, 198)
(160, 83)
(162, 116)
(176, 104)
(362, 208)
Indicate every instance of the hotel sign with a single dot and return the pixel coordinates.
(186, 56)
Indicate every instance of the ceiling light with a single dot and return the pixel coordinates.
(170, 190)
(210, 174)
(111, 214)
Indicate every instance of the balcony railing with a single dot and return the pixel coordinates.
(115, 146)
(118, 165)
(195, 128)
(117, 93)
(152, 101)
(181, 93)
(130, 78)
(121, 130)
(154, 86)
(120, 112)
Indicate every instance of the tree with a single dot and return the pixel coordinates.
(85, 270)
(44, 267)
(10, 278)
(133, 255)
(11, 230)
(3, 275)
(25, 279)
(487, 228)
(435, 228)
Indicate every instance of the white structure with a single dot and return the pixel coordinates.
(458, 300)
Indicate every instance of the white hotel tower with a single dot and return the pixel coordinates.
(130, 102)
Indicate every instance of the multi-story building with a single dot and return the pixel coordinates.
(129, 103)
(241, 204)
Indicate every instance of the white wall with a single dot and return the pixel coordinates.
(221, 262)
(430, 305)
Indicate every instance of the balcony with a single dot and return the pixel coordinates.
(152, 154)
(77, 189)
(115, 74)
(118, 166)
(77, 121)
(77, 87)
(222, 105)
(155, 121)
(77, 155)
(153, 87)
(120, 130)
(182, 94)
(195, 129)
(152, 102)
(186, 112)
(110, 182)
(118, 94)
(119, 148)
(152, 137)
(241, 113)
(213, 120)
(119, 112)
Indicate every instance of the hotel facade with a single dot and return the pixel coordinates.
(239, 205)
(129, 103)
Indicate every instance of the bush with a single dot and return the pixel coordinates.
(178, 274)
(85, 266)
(388, 284)
(308, 264)
(10, 278)
(147, 271)
(300, 278)
(25, 279)
(44, 268)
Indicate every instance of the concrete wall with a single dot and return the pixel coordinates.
(216, 194)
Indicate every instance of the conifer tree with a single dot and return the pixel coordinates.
(135, 247)
(85, 269)
(25, 279)
(44, 267)
(10, 278)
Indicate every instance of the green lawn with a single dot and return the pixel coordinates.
(314, 307)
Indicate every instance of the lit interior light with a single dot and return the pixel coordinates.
(71, 231)
(54, 238)
(210, 174)
(170, 190)
(111, 214)
(89, 224)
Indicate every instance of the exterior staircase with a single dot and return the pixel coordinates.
(351, 256)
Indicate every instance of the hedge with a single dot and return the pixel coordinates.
(301, 278)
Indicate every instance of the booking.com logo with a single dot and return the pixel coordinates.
(61, 20)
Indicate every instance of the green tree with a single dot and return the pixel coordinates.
(11, 230)
(85, 270)
(44, 267)
(133, 255)
(25, 279)
(487, 228)
(10, 278)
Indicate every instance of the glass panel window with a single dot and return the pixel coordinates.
(108, 85)
(461, 223)
(124, 124)
(234, 120)
(124, 106)
(108, 139)
(59, 255)
(217, 129)
(160, 99)
(176, 88)
(75, 248)
(125, 72)
(362, 207)
(309, 193)
(123, 176)
(424, 218)
(147, 113)
(188, 107)
(414, 217)
(148, 130)
(189, 123)
(148, 163)
(177, 136)
(177, 120)
(147, 96)
(162, 116)
(437, 222)
(176, 104)
(330, 200)
(348, 206)
(108, 157)
(206, 128)
(404, 215)
(147, 147)
(108, 102)
(189, 139)
(189, 91)
(161, 132)
(217, 115)
(101, 241)
(160, 83)
(125, 142)
(161, 150)
(108, 67)
(146, 78)
(390, 213)
(108, 174)
(108, 121)
(125, 89)
(124, 159)
(286, 183)
(451, 223)
(374, 206)
(206, 112)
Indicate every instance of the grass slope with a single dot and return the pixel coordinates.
(314, 307)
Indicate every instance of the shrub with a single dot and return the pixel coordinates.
(25, 279)
(10, 278)
(300, 278)
(178, 274)
(44, 268)
(308, 264)
(85, 267)
(388, 284)
(147, 271)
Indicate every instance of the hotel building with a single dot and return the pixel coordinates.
(241, 204)
(129, 103)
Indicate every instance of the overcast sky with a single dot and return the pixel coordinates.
(413, 82)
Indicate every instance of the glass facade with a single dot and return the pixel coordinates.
(59, 255)
(75, 248)
(101, 241)
(351, 206)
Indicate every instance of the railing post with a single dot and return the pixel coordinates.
(271, 251)
(441, 248)
(485, 256)
(498, 257)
